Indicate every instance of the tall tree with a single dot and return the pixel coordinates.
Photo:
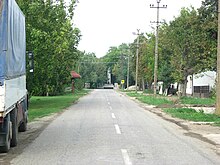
(208, 23)
(93, 70)
(52, 38)
(184, 37)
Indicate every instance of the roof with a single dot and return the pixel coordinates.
(75, 75)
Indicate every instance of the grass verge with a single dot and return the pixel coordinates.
(192, 115)
(197, 101)
(150, 99)
(41, 106)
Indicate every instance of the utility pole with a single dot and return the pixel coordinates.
(217, 111)
(156, 44)
(128, 72)
(136, 78)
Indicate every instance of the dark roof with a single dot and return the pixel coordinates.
(74, 74)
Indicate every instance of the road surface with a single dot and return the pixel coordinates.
(107, 128)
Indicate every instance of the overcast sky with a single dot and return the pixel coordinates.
(106, 23)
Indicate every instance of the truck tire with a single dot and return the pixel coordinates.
(23, 125)
(14, 122)
(7, 135)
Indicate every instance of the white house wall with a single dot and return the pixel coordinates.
(202, 79)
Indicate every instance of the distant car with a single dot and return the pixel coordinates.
(108, 86)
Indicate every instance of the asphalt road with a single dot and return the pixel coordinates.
(106, 128)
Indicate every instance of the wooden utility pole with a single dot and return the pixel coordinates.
(217, 111)
(128, 71)
(137, 49)
(156, 44)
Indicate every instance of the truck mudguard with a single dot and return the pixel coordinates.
(12, 41)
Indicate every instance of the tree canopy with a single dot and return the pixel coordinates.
(53, 40)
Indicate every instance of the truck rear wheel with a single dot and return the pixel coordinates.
(6, 137)
(23, 126)
(14, 122)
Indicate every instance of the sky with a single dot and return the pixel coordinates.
(107, 23)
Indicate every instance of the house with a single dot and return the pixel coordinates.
(200, 85)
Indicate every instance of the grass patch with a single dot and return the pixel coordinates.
(41, 106)
(133, 94)
(192, 115)
(198, 101)
(149, 91)
(149, 99)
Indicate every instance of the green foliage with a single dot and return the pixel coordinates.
(145, 59)
(208, 22)
(79, 84)
(192, 115)
(183, 38)
(92, 70)
(52, 38)
(166, 54)
(186, 45)
(213, 93)
(117, 60)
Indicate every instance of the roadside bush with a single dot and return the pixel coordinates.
(79, 84)
(213, 92)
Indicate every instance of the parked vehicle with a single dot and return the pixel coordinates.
(108, 86)
(13, 93)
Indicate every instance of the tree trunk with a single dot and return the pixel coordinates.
(149, 85)
(179, 92)
(143, 84)
(184, 86)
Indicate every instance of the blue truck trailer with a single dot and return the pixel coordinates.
(13, 93)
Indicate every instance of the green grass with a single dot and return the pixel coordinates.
(198, 101)
(150, 99)
(41, 106)
(149, 91)
(192, 115)
(133, 94)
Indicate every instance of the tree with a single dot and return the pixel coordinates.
(165, 55)
(146, 60)
(53, 40)
(92, 70)
(208, 21)
(184, 37)
(116, 60)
